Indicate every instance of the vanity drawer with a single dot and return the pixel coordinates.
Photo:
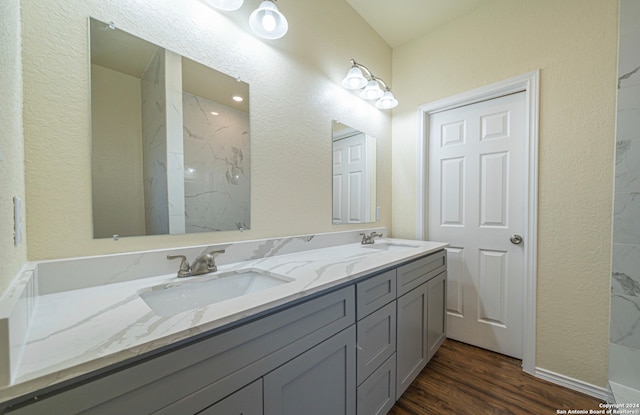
(374, 292)
(246, 401)
(420, 271)
(376, 340)
(377, 395)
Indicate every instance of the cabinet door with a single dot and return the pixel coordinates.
(246, 401)
(320, 381)
(436, 315)
(411, 345)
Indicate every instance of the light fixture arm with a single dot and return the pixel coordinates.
(369, 74)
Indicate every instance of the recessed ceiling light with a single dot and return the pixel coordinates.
(214, 113)
(238, 98)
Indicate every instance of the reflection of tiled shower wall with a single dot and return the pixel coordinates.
(216, 162)
(162, 144)
(624, 354)
(154, 146)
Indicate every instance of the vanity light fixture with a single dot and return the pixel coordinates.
(359, 77)
(226, 5)
(267, 21)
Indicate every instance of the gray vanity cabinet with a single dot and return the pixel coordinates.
(351, 350)
(420, 308)
(321, 381)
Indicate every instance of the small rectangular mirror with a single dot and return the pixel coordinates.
(170, 149)
(354, 175)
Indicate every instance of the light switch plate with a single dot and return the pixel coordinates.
(377, 212)
(17, 220)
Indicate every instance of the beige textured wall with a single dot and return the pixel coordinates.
(295, 93)
(11, 140)
(573, 43)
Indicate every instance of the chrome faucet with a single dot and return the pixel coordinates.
(369, 239)
(203, 264)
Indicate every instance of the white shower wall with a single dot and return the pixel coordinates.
(624, 349)
(217, 166)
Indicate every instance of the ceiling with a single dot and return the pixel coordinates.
(399, 21)
(122, 52)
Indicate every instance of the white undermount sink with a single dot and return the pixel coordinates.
(389, 246)
(195, 292)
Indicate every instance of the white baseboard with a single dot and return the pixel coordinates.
(575, 384)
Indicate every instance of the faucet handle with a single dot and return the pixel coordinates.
(211, 260)
(185, 268)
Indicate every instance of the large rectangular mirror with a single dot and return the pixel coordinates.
(170, 149)
(354, 175)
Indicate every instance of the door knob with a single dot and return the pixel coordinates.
(516, 239)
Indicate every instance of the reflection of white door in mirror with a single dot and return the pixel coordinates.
(353, 176)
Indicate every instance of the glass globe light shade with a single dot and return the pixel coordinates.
(371, 91)
(387, 101)
(267, 22)
(354, 79)
(226, 5)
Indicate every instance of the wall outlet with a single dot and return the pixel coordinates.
(377, 212)
(17, 220)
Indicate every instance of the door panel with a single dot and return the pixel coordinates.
(455, 282)
(452, 190)
(494, 187)
(350, 179)
(476, 202)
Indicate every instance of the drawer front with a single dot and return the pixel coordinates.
(377, 395)
(373, 293)
(247, 401)
(189, 379)
(376, 340)
(420, 271)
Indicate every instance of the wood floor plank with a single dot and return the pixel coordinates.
(463, 379)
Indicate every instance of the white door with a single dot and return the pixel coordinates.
(350, 179)
(476, 203)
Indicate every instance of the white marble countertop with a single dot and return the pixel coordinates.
(79, 331)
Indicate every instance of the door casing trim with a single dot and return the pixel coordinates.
(529, 83)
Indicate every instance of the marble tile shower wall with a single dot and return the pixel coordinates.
(625, 284)
(217, 162)
(154, 146)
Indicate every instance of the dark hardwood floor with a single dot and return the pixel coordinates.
(462, 379)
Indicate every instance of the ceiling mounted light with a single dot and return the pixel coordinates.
(226, 5)
(266, 21)
(359, 77)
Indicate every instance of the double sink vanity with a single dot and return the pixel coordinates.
(320, 324)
